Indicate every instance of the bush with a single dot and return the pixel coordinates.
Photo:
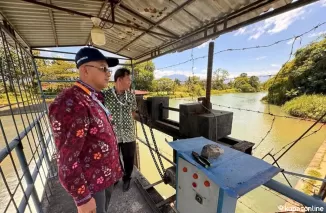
(307, 106)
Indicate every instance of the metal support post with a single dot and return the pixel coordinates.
(28, 177)
(207, 102)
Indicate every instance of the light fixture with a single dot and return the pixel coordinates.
(97, 34)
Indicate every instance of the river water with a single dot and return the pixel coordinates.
(246, 125)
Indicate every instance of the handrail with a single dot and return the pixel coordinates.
(29, 176)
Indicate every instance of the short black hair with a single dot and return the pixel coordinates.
(120, 73)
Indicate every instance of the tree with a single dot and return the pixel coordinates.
(165, 85)
(254, 82)
(219, 77)
(177, 82)
(305, 74)
(245, 84)
(55, 70)
(144, 75)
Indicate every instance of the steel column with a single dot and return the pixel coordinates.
(207, 102)
(28, 176)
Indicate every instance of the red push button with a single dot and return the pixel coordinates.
(207, 183)
(194, 184)
(184, 169)
(195, 176)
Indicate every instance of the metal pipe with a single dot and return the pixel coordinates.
(171, 108)
(293, 194)
(207, 102)
(304, 176)
(54, 51)
(51, 6)
(53, 58)
(165, 158)
(16, 141)
(28, 176)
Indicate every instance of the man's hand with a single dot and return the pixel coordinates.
(89, 207)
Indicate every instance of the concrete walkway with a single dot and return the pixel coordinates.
(131, 201)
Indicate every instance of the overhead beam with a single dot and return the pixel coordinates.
(51, 6)
(231, 16)
(53, 24)
(132, 12)
(190, 14)
(16, 31)
(76, 45)
(177, 9)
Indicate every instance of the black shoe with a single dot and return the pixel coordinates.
(126, 185)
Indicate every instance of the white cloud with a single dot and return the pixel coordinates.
(323, 3)
(255, 73)
(276, 24)
(275, 65)
(322, 33)
(240, 31)
(160, 73)
(203, 45)
(260, 58)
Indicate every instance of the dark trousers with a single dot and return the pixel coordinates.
(128, 154)
(102, 199)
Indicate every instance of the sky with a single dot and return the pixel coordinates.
(262, 61)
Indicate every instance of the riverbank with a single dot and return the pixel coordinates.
(316, 168)
(307, 106)
(179, 94)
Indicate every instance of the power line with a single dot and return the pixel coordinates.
(297, 140)
(265, 113)
(267, 133)
(247, 206)
(314, 132)
(294, 38)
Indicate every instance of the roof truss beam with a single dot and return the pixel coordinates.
(159, 51)
(51, 6)
(177, 9)
(53, 24)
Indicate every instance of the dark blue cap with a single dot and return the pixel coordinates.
(87, 54)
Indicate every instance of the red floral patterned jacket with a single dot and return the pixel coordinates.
(88, 158)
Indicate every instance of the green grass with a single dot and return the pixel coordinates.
(308, 187)
(307, 106)
(13, 100)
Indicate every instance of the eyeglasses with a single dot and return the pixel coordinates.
(103, 69)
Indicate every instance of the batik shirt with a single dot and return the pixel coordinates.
(121, 106)
(88, 159)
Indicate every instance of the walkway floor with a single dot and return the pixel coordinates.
(131, 201)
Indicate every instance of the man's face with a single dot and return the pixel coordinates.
(97, 72)
(125, 82)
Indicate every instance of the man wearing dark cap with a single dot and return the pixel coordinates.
(88, 157)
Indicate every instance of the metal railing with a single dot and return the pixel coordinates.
(26, 145)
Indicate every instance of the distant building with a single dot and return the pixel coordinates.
(141, 92)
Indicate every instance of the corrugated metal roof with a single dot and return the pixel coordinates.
(190, 22)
